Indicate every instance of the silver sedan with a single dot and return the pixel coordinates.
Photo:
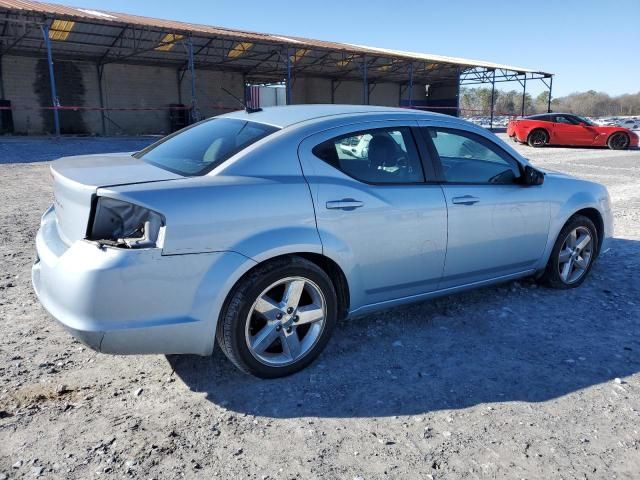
(263, 229)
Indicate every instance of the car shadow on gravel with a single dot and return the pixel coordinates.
(513, 342)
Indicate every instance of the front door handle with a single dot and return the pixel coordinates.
(344, 204)
(465, 200)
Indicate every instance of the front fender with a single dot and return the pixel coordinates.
(563, 209)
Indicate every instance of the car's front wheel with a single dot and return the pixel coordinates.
(573, 254)
(278, 318)
(618, 141)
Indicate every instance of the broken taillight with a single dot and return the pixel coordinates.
(122, 224)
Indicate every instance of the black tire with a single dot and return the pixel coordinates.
(618, 141)
(233, 320)
(552, 276)
(538, 138)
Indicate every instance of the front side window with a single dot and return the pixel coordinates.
(200, 148)
(384, 155)
(584, 120)
(469, 158)
(566, 120)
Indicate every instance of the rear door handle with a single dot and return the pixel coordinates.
(465, 200)
(344, 204)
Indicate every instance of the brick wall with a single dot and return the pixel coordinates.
(211, 99)
(26, 85)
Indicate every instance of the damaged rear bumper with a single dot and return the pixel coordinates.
(132, 301)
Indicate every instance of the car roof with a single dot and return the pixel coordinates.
(537, 116)
(542, 115)
(285, 116)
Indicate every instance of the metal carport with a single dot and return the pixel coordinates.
(102, 37)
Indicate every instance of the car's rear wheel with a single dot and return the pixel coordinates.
(618, 141)
(278, 318)
(573, 254)
(538, 138)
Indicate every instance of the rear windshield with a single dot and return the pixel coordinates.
(200, 148)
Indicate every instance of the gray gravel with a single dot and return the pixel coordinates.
(39, 149)
(513, 381)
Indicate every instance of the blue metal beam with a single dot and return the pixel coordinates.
(410, 84)
(192, 72)
(289, 96)
(365, 82)
(52, 81)
(458, 92)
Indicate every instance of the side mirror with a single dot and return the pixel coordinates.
(532, 176)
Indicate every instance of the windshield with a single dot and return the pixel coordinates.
(585, 120)
(200, 148)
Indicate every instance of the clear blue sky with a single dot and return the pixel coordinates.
(588, 44)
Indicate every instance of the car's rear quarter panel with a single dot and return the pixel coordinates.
(525, 127)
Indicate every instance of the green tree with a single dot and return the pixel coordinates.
(542, 102)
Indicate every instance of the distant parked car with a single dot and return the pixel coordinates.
(570, 130)
(358, 146)
(630, 123)
(261, 231)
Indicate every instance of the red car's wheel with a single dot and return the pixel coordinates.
(538, 138)
(618, 141)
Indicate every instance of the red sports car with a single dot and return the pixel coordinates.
(568, 129)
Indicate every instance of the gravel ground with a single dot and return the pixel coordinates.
(512, 381)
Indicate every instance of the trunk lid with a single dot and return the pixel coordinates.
(76, 179)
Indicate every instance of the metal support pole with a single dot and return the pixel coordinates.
(100, 69)
(493, 96)
(289, 95)
(458, 92)
(245, 90)
(333, 91)
(179, 84)
(192, 71)
(52, 80)
(365, 83)
(411, 85)
(524, 94)
(550, 87)
(1, 79)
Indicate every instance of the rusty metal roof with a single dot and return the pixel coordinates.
(105, 36)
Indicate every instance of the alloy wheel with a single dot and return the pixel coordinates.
(285, 321)
(575, 255)
(619, 141)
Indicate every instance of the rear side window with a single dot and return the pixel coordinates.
(200, 148)
(374, 156)
(469, 158)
